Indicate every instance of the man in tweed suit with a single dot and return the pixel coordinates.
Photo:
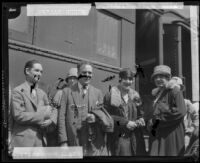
(77, 126)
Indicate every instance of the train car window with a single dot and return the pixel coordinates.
(21, 27)
(108, 35)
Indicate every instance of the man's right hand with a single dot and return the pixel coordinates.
(64, 144)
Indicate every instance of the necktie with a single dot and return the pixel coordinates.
(33, 93)
(84, 91)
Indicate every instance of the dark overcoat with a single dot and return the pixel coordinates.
(167, 137)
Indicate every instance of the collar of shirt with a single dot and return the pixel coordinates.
(30, 84)
(81, 86)
(125, 97)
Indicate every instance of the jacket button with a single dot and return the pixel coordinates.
(74, 123)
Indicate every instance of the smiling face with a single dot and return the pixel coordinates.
(127, 82)
(86, 72)
(161, 80)
(71, 80)
(34, 73)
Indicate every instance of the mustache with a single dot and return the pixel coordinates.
(84, 76)
(36, 77)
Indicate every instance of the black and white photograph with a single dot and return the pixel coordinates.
(100, 81)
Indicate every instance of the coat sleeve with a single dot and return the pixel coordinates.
(20, 113)
(58, 96)
(62, 133)
(175, 111)
(112, 110)
(100, 97)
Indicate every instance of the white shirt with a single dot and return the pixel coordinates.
(82, 90)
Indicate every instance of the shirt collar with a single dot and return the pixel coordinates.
(30, 84)
(81, 87)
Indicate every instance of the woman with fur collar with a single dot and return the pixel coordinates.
(191, 119)
(122, 102)
(166, 125)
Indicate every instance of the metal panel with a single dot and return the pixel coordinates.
(128, 14)
(187, 63)
(69, 34)
(21, 28)
(53, 69)
(128, 45)
(171, 47)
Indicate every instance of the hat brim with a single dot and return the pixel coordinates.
(160, 73)
(71, 76)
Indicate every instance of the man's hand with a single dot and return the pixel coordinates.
(131, 125)
(46, 123)
(90, 118)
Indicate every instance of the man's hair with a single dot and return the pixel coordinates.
(30, 64)
(81, 63)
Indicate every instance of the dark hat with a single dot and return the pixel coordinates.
(161, 69)
(126, 73)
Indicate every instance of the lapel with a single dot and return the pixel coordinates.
(91, 95)
(77, 97)
(75, 93)
(26, 90)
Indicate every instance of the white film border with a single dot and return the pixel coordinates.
(48, 152)
(58, 9)
(194, 51)
(140, 5)
(84, 9)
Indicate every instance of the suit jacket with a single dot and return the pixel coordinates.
(71, 125)
(27, 116)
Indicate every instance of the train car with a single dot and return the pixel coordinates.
(111, 39)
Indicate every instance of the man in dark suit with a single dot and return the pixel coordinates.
(77, 126)
(30, 110)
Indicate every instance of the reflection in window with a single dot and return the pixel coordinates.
(108, 29)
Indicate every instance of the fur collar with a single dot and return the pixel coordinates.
(116, 95)
(170, 85)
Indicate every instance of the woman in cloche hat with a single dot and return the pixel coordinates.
(166, 125)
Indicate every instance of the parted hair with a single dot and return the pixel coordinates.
(29, 64)
(81, 63)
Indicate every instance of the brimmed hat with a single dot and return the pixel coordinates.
(72, 72)
(161, 69)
